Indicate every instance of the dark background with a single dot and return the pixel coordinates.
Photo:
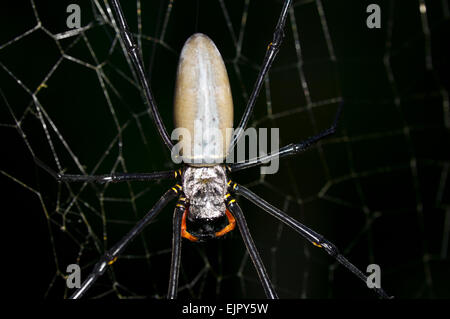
(387, 166)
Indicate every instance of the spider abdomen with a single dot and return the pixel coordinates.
(203, 105)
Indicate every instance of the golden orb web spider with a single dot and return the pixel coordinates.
(234, 216)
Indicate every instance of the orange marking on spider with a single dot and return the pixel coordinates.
(231, 225)
(184, 232)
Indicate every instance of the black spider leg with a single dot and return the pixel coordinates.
(291, 149)
(107, 178)
(135, 56)
(113, 253)
(176, 248)
(236, 211)
(310, 235)
(271, 53)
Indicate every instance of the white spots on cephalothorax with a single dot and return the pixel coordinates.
(205, 189)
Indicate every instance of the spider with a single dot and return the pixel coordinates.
(206, 207)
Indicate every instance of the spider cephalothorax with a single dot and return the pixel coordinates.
(205, 189)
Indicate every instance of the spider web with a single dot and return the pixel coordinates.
(378, 189)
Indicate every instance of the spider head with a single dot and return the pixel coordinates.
(205, 188)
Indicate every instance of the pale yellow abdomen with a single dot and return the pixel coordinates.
(203, 102)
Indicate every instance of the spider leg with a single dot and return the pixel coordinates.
(176, 249)
(113, 253)
(310, 235)
(271, 53)
(291, 149)
(107, 178)
(135, 56)
(234, 208)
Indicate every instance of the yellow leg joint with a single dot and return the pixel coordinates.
(41, 86)
(112, 261)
